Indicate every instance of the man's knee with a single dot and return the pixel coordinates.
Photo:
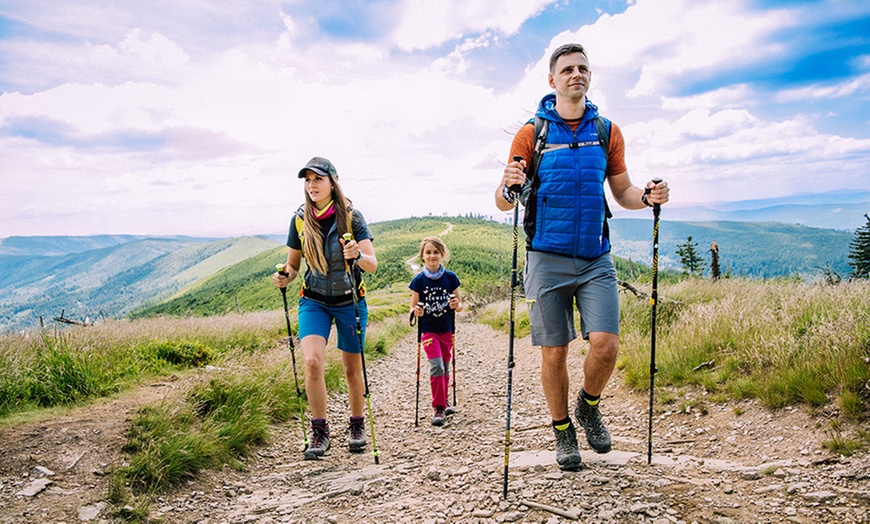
(604, 345)
(554, 353)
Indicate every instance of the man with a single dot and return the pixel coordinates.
(567, 250)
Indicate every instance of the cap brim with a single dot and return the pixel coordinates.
(311, 168)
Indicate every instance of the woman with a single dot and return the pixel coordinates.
(316, 232)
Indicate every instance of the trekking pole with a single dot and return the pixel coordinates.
(657, 208)
(453, 343)
(507, 423)
(280, 269)
(347, 238)
(413, 321)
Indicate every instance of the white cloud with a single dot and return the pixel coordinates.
(734, 155)
(733, 96)
(425, 24)
(224, 131)
(664, 40)
(153, 50)
(848, 88)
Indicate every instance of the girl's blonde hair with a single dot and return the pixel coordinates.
(438, 244)
(312, 247)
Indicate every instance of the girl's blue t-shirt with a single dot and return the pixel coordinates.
(435, 294)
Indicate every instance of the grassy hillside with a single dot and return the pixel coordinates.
(244, 286)
(480, 253)
(480, 256)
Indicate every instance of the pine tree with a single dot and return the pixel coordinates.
(714, 261)
(859, 251)
(689, 257)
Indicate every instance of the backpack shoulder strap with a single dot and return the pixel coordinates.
(299, 222)
(603, 127)
(542, 127)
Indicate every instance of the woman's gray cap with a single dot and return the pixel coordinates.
(321, 166)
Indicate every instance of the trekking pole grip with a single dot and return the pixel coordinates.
(280, 269)
(348, 237)
(516, 188)
(647, 190)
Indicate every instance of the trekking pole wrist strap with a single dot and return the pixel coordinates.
(645, 201)
(508, 195)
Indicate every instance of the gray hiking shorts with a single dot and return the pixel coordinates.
(554, 283)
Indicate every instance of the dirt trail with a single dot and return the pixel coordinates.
(758, 466)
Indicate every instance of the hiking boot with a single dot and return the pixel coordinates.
(590, 418)
(448, 410)
(356, 435)
(319, 439)
(567, 454)
(438, 418)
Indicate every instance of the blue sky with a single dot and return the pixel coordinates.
(193, 118)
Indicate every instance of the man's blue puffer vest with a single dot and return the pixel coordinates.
(568, 213)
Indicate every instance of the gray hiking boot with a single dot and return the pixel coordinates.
(449, 410)
(356, 435)
(319, 439)
(590, 418)
(567, 454)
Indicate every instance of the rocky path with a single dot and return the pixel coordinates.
(718, 464)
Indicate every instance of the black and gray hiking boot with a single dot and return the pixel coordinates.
(449, 410)
(356, 435)
(590, 418)
(438, 417)
(319, 439)
(567, 454)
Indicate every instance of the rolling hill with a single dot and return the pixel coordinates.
(113, 280)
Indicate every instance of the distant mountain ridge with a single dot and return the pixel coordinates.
(32, 246)
(842, 210)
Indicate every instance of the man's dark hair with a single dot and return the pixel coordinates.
(566, 49)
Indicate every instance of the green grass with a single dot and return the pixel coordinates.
(219, 420)
(782, 342)
(46, 368)
(498, 316)
(844, 445)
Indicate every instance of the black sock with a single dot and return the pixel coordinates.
(563, 424)
(592, 400)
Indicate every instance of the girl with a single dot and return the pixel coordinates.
(434, 299)
(316, 233)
